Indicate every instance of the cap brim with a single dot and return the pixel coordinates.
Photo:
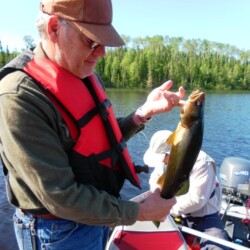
(103, 34)
(153, 159)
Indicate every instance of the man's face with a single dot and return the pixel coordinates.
(73, 51)
(166, 158)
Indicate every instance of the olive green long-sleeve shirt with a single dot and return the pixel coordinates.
(33, 144)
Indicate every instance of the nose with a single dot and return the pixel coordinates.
(100, 51)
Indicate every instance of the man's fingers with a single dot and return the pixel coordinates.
(166, 85)
(181, 92)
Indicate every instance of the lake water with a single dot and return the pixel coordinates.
(226, 128)
(227, 133)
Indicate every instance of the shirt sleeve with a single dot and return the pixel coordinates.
(128, 127)
(201, 186)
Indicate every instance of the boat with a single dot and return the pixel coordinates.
(234, 177)
(235, 202)
(145, 235)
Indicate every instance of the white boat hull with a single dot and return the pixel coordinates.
(146, 236)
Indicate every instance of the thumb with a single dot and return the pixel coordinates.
(181, 92)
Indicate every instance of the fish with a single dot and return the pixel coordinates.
(186, 141)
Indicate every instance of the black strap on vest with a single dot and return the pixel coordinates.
(87, 117)
(117, 153)
(104, 114)
(100, 109)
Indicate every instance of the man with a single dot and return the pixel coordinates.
(199, 207)
(63, 152)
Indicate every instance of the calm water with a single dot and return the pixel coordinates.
(227, 133)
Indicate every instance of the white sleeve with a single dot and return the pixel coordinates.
(201, 185)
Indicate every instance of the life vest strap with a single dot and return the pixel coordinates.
(104, 109)
(120, 146)
(87, 117)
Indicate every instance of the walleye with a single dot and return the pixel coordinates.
(186, 143)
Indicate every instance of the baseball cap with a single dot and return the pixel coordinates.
(158, 148)
(92, 17)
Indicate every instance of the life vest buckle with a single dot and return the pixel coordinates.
(104, 109)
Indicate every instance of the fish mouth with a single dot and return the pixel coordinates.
(197, 95)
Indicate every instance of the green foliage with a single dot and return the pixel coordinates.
(5, 55)
(148, 62)
(29, 42)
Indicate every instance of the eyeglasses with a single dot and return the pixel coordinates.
(93, 45)
(90, 43)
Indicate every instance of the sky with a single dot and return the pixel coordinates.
(223, 21)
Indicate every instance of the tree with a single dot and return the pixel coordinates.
(149, 61)
(29, 42)
(2, 56)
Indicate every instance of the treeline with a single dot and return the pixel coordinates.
(6, 55)
(148, 62)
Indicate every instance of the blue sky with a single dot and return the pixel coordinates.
(224, 21)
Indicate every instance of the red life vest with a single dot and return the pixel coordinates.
(100, 156)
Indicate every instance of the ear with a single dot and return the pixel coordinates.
(53, 27)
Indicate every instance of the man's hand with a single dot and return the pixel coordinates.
(154, 207)
(162, 100)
